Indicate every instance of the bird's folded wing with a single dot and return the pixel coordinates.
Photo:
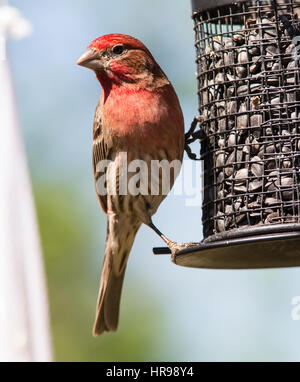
(101, 152)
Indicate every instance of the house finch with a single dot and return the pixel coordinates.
(138, 114)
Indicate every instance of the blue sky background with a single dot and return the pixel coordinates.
(206, 315)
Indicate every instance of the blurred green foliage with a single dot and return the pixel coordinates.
(67, 241)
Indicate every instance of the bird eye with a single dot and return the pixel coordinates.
(118, 49)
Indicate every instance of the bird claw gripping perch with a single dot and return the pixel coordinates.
(191, 136)
(175, 248)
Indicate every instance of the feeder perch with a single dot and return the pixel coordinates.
(249, 102)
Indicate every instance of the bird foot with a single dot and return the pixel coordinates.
(177, 247)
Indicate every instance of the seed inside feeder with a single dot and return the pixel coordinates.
(251, 103)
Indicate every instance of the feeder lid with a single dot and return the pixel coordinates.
(203, 5)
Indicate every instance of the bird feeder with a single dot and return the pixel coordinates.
(249, 126)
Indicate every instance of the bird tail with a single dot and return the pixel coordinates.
(119, 240)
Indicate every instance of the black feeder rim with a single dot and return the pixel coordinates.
(251, 247)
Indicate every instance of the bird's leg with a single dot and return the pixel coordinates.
(162, 236)
(194, 124)
(191, 136)
(174, 247)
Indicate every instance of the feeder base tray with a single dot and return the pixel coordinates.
(268, 250)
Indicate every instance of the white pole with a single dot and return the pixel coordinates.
(24, 322)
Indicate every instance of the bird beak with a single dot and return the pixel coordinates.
(91, 59)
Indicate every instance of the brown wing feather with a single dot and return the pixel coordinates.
(101, 151)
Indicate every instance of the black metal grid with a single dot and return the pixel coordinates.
(249, 103)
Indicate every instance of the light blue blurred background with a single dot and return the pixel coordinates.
(167, 312)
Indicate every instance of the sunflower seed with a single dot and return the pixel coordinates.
(257, 167)
(238, 38)
(242, 119)
(241, 71)
(242, 56)
(271, 201)
(228, 58)
(241, 175)
(220, 158)
(256, 120)
(231, 107)
(255, 185)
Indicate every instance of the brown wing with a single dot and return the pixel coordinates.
(101, 151)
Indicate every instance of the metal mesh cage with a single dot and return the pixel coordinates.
(249, 103)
